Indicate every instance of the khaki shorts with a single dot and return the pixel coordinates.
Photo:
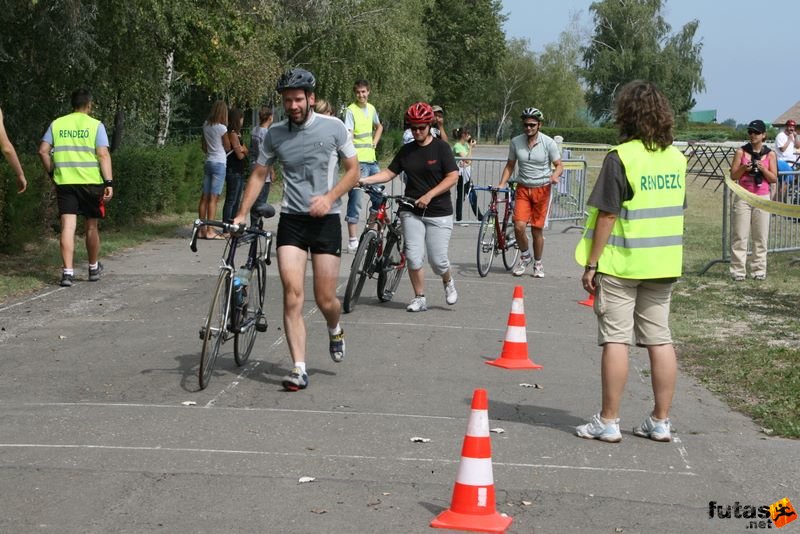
(627, 307)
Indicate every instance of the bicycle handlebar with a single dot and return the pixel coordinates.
(378, 190)
(491, 188)
(234, 229)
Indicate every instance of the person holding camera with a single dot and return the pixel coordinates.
(754, 167)
(463, 149)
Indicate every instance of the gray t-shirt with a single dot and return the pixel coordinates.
(309, 155)
(534, 165)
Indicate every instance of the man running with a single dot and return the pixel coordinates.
(307, 145)
(539, 162)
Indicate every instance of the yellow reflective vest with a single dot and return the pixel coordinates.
(362, 132)
(74, 152)
(646, 241)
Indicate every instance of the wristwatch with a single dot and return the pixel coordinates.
(108, 183)
(590, 267)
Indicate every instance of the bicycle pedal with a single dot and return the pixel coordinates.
(202, 332)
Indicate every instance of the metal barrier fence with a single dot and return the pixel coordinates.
(711, 161)
(567, 203)
(784, 232)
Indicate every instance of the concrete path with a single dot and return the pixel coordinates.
(94, 436)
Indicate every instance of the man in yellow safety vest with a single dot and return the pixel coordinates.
(74, 152)
(363, 123)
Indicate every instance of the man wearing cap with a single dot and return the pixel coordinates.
(786, 143)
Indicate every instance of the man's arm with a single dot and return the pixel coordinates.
(254, 185)
(377, 136)
(44, 156)
(321, 205)
(104, 160)
(557, 172)
(508, 170)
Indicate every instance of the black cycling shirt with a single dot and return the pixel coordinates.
(426, 166)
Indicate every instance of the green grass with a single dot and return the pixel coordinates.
(741, 340)
(40, 264)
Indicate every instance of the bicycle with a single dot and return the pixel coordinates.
(496, 237)
(237, 303)
(380, 251)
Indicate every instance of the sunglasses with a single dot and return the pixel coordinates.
(751, 132)
(530, 124)
(418, 128)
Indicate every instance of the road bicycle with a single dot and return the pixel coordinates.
(237, 303)
(380, 251)
(496, 236)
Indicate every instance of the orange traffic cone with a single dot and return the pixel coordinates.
(473, 506)
(588, 301)
(515, 346)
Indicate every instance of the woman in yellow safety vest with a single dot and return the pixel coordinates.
(632, 253)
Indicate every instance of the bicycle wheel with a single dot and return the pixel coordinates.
(486, 243)
(388, 282)
(250, 314)
(214, 332)
(359, 269)
(510, 251)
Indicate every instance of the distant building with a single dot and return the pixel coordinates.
(703, 116)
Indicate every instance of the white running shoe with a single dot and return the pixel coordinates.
(522, 266)
(417, 305)
(597, 429)
(538, 269)
(450, 293)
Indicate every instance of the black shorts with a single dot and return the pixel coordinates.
(81, 199)
(320, 235)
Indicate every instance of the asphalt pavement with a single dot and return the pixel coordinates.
(103, 428)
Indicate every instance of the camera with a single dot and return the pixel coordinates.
(758, 176)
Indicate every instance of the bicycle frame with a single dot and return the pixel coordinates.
(500, 243)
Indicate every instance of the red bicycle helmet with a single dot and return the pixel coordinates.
(419, 113)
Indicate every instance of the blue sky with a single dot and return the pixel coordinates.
(742, 73)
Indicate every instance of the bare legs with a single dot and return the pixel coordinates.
(614, 373)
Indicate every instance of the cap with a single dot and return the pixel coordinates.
(791, 122)
(757, 125)
(437, 108)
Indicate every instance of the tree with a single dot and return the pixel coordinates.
(466, 45)
(559, 93)
(631, 41)
(514, 79)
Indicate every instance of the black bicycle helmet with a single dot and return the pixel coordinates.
(532, 113)
(296, 79)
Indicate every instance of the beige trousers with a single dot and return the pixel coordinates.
(753, 223)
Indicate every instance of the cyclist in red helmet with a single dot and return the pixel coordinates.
(431, 172)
